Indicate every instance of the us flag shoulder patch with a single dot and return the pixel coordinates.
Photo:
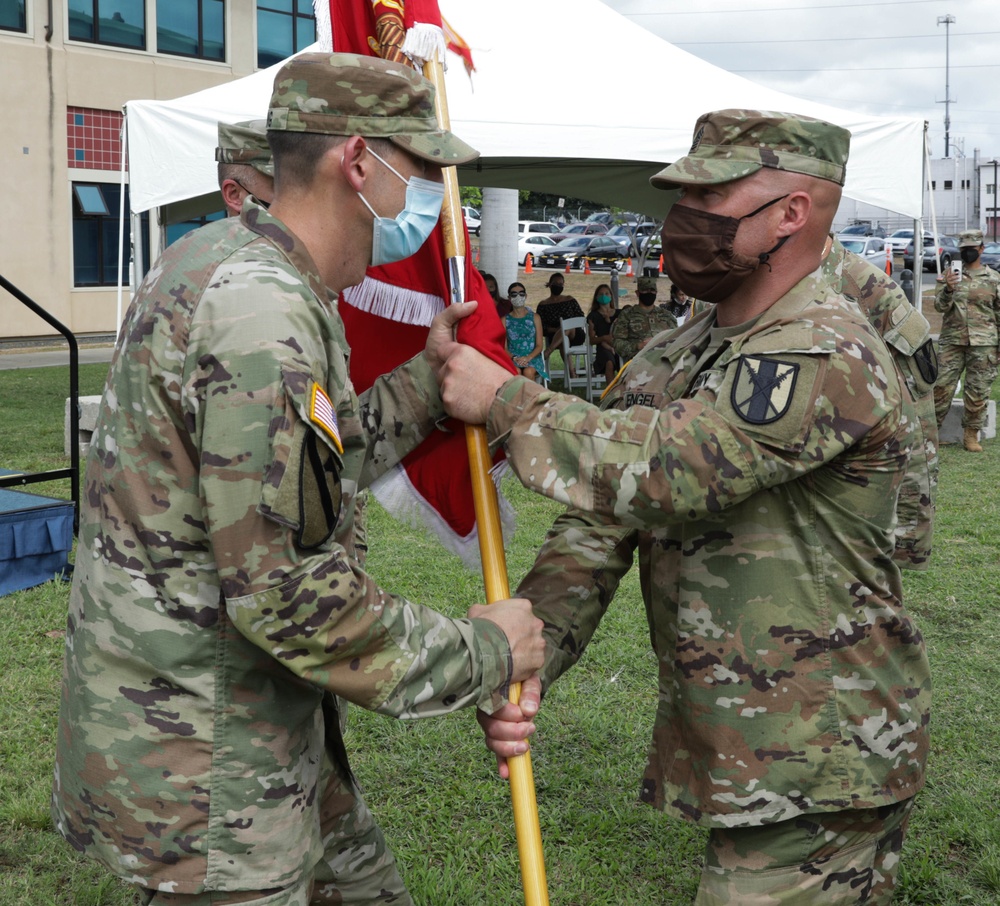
(322, 413)
(763, 389)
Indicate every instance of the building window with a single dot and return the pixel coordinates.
(176, 230)
(95, 234)
(948, 185)
(192, 28)
(283, 27)
(933, 184)
(966, 183)
(118, 22)
(12, 16)
(991, 188)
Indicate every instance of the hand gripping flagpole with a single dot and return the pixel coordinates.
(522, 783)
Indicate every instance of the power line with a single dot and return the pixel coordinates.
(874, 68)
(774, 9)
(880, 38)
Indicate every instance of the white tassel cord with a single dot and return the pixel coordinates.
(400, 499)
(424, 42)
(396, 303)
(324, 28)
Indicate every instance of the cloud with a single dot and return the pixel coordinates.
(881, 58)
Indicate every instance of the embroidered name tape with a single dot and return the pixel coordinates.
(321, 413)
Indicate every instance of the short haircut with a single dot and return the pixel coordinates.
(296, 154)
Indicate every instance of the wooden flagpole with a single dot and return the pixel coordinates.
(522, 782)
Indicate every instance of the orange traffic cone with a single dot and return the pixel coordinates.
(661, 264)
(888, 259)
(567, 267)
(586, 266)
(477, 257)
(630, 272)
(527, 264)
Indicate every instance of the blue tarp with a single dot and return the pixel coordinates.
(36, 536)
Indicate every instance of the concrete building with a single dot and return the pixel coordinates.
(962, 195)
(66, 69)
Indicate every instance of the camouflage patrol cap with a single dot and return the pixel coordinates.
(645, 285)
(348, 94)
(731, 144)
(245, 143)
(970, 238)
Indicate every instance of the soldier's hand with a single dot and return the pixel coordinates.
(951, 279)
(469, 382)
(508, 729)
(523, 630)
(441, 336)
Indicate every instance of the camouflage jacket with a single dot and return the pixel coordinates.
(634, 324)
(216, 598)
(907, 334)
(760, 494)
(971, 313)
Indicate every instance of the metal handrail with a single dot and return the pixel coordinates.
(73, 472)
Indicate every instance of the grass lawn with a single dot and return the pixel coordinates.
(434, 787)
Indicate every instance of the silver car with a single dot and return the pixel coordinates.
(874, 250)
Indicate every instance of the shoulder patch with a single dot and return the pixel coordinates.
(323, 415)
(763, 389)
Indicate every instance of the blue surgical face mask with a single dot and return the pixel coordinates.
(394, 239)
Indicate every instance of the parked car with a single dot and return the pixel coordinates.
(632, 237)
(580, 229)
(991, 255)
(946, 248)
(908, 251)
(472, 219)
(605, 217)
(533, 244)
(871, 248)
(901, 238)
(536, 226)
(863, 229)
(603, 253)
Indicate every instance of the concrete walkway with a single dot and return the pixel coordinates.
(44, 358)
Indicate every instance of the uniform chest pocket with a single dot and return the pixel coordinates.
(303, 483)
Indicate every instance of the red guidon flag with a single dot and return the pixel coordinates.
(386, 317)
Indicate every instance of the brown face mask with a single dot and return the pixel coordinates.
(698, 253)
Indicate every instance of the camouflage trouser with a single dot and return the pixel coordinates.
(356, 868)
(980, 366)
(833, 859)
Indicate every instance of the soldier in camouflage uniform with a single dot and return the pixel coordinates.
(636, 325)
(216, 603)
(970, 330)
(752, 458)
(245, 166)
(907, 334)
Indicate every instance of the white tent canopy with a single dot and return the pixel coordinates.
(617, 105)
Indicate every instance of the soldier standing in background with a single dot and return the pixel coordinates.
(245, 166)
(637, 324)
(753, 459)
(217, 605)
(970, 331)
(907, 335)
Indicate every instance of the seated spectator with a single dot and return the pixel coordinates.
(502, 304)
(552, 310)
(524, 335)
(636, 325)
(601, 316)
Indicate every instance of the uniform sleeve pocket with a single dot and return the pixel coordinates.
(302, 484)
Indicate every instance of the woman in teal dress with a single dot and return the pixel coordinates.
(524, 335)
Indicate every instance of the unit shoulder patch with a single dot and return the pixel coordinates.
(764, 388)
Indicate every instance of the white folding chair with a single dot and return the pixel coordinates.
(577, 357)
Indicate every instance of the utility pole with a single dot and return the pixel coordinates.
(947, 21)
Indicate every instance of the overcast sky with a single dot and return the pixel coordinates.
(881, 58)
